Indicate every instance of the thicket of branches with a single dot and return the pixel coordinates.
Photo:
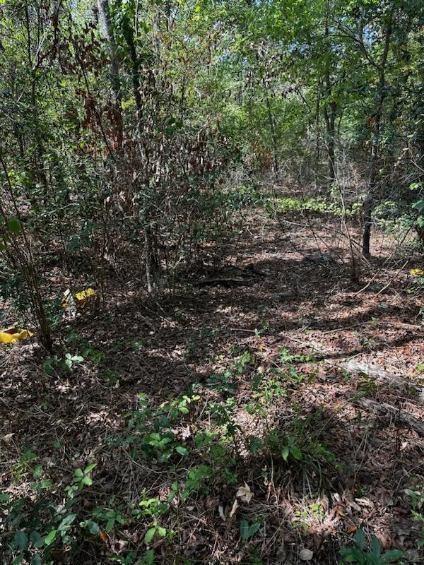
(130, 130)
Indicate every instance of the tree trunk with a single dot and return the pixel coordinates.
(330, 121)
(272, 131)
(330, 110)
(152, 264)
(115, 74)
(375, 123)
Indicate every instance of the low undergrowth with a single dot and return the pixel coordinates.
(211, 461)
(197, 450)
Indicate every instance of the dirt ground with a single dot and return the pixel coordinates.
(278, 290)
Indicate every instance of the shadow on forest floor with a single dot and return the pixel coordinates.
(269, 406)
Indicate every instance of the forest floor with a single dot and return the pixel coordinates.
(264, 414)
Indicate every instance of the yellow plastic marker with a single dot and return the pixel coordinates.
(84, 294)
(9, 337)
(417, 272)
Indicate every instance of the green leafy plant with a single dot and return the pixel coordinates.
(55, 363)
(156, 532)
(242, 362)
(416, 496)
(248, 530)
(223, 383)
(109, 517)
(24, 465)
(81, 479)
(197, 479)
(287, 357)
(291, 450)
(299, 446)
(61, 531)
(267, 388)
(360, 554)
(71, 360)
(153, 507)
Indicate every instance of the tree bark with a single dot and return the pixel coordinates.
(330, 109)
(115, 72)
(376, 122)
(384, 410)
(152, 264)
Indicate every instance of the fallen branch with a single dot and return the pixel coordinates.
(224, 281)
(383, 409)
(381, 375)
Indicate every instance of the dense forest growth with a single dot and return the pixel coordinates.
(211, 281)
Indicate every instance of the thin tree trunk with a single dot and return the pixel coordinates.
(330, 121)
(115, 73)
(272, 130)
(375, 145)
(37, 171)
(317, 127)
(22, 258)
(152, 264)
(330, 110)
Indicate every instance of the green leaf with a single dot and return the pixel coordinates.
(359, 538)
(418, 205)
(254, 528)
(36, 539)
(248, 530)
(110, 524)
(352, 555)
(14, 225)
(50, 537)
(391, 556)
(38, 471)
(181, 450)
(285, 452)
(148, 557)
(91, 526)
(296, 453)
(20, 540)
(4, 498)
(161, 531)
(92, 466)
(66, 522)
(150, 534)
(244, 530)
(375, 546)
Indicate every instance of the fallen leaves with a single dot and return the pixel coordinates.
(244, 493)
(306, 555)
(233, 509)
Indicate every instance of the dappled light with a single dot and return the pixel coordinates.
(211, 282)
